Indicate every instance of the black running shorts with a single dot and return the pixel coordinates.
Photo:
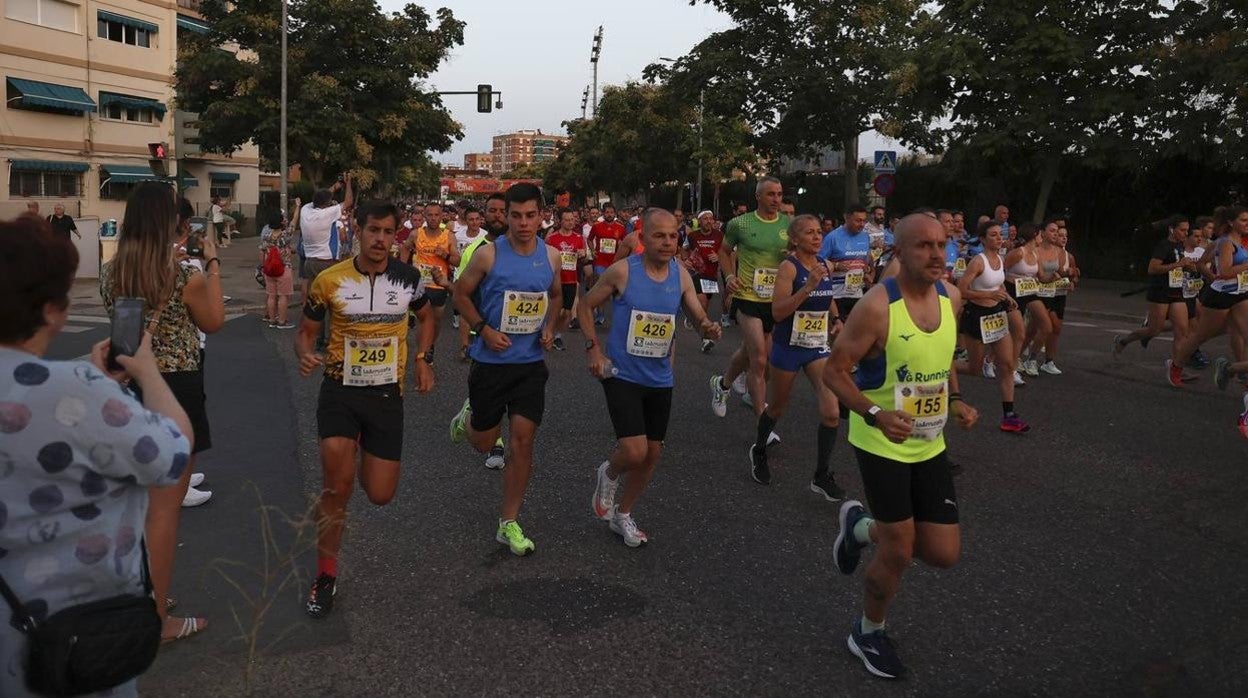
(1217, 300)
(899, 491)
(637, 409)
(437, 297)
(1057, 306)
(371, 414)
(845, 305)
(513, 389)
(762, 311)
(569, 295)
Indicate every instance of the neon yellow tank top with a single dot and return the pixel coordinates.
(912, 375)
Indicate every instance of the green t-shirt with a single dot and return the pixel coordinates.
(761, 246)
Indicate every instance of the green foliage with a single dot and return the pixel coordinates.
(354, 79)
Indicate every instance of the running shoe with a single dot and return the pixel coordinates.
(826, 485)
(989, 369)
(573, 324)
(194, 497)
(1031, 368)
(725, 321)
(558, 344)
(458, 430)
(604, 493)
(759, 469)
(599, 322)
(719, 397)
(1050, 368)
(1198, 360)
(496, 458)
(510, 535)
(624, 525)
(455, 321)
(773, 437)
(1221, 376)
(1015, 424)
(1018, 379)
(284, 326)
(1174, 374)
(846, 551)
(197, 479)
(1243, 423)
(688, 325)
(876, 651)
(959, 354)
(321, 598)
(739, 385)
(1118, 345)
(707, 345)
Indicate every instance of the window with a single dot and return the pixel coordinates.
(220, 188)
(116, 112)
(53, 14)
(32, 184)
(123, 33)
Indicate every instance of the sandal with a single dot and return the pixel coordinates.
(187, 627)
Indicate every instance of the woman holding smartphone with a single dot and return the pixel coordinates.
(180, 301)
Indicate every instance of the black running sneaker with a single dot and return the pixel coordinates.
(558, 344)
(321, 598)
(758, 466)
(876, 652)
(826, 486)
(847, 550)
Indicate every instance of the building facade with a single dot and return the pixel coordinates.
(524, 148)
(88, 86)
(478, 161)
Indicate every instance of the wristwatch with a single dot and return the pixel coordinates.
(590, 344)
(476, 329)
(427, 359)
(869, 417)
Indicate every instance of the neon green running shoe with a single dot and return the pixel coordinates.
(510, 535)
(458, 430)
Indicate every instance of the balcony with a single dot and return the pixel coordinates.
(192, 5)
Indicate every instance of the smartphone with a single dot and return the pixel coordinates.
(127, 330)
(195, 248)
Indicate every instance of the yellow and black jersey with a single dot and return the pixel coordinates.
(367, 320)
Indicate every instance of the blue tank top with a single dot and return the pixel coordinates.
(819, 300)
(1230, 286)
(509, 296)
(644, 326)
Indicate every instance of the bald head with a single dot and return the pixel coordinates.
(651, 216)
(909, 229)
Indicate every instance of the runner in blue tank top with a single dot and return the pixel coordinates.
(805, 318)
(636, 369)
(510, 296)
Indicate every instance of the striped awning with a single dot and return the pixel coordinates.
(191, 24)
(128, 21)
(128, 174)
(51, 96)
(48, 166)
(107, 98)
(223, 176)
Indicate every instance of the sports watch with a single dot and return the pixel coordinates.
(869, 417)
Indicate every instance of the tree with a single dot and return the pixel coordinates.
(1036, 83)
(354, 77)
(809, 74)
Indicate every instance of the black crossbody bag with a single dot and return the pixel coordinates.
(89, 647)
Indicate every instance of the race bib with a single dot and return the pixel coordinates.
(1026, 287)
(876, 253)
(993, 328)
(567, 260)
(1047, 290)
(1242, 277)
(606, 245)
(959, 268)
(370, 361)
(1191, 287)
(650, 334)
(523, 312)
(927, 403)
(854, 279)
(709, 286)
(427, 271)
(810, 329)
(1063, 285)
(1176, 278)
(765, 283)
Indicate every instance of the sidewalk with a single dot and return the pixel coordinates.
(238, 281)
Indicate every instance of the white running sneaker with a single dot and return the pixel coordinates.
(1018, 379)
(989, 370)
(739, 385)
(1031, 368)
(197, 479)
(1050, 368)
(195, 497)
(719, 397)
(604, 493)
(455, 321)
(624, 525)
(773, 438)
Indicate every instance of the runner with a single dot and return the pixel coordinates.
(1022, 278)
(468, 239)
(360, 407)
(572, 256)
(636, 371)
(511, 300)
(849, 249)
(1222, 298)
(702, 259)
(604, 237)
(1193, 281)
(1223, 372)
(902, 337)
(1068, 270)
(1055, 281)
(788, 207)
(753, 247)
(805, 321)
(434, 250)
(1167, 269)
(986, 321)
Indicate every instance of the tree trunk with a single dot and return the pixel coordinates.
(717, 198)
(850, 165)
(1047, 179)
(680, 196)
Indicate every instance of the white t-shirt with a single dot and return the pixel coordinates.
(462, 240)
(458, 228)
(316, 224)
(218, 215)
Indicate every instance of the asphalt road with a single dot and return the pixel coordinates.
(1102, 552)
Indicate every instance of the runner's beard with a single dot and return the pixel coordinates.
(494, 231)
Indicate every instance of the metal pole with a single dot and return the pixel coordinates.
(595, 89)
(701, 116)
(285, 166)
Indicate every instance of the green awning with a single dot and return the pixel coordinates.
(48, 166)
(191, 24)
(107, 98)
(128, 174)
(45, 94)
(128, 21)
(189, 181)
(223, 176)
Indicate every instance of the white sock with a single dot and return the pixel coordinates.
(862, 530)
(868, 627)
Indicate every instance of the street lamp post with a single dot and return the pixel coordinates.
(594, 53)
(282, 198)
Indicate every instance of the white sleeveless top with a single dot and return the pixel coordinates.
(990, 279)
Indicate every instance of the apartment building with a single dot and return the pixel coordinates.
(88, 85)
(478, 161)
(524, 147)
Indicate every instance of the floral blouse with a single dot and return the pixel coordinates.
(176, 340)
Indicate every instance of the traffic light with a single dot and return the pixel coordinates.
(158, 153)
(485, 99)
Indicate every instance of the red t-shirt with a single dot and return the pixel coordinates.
(702, 244)
(604, 237)
(570, 246)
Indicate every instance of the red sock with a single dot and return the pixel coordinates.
(327, 565)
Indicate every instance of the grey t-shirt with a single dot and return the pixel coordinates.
(77, 454)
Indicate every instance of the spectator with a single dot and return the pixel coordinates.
(191, 238)
(80, 451)
(278, 289)
(181, 301)
(316, 223)
(62, 224)
(218, 220)
(32, 208)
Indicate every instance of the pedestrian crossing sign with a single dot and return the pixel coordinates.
(885, 161)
